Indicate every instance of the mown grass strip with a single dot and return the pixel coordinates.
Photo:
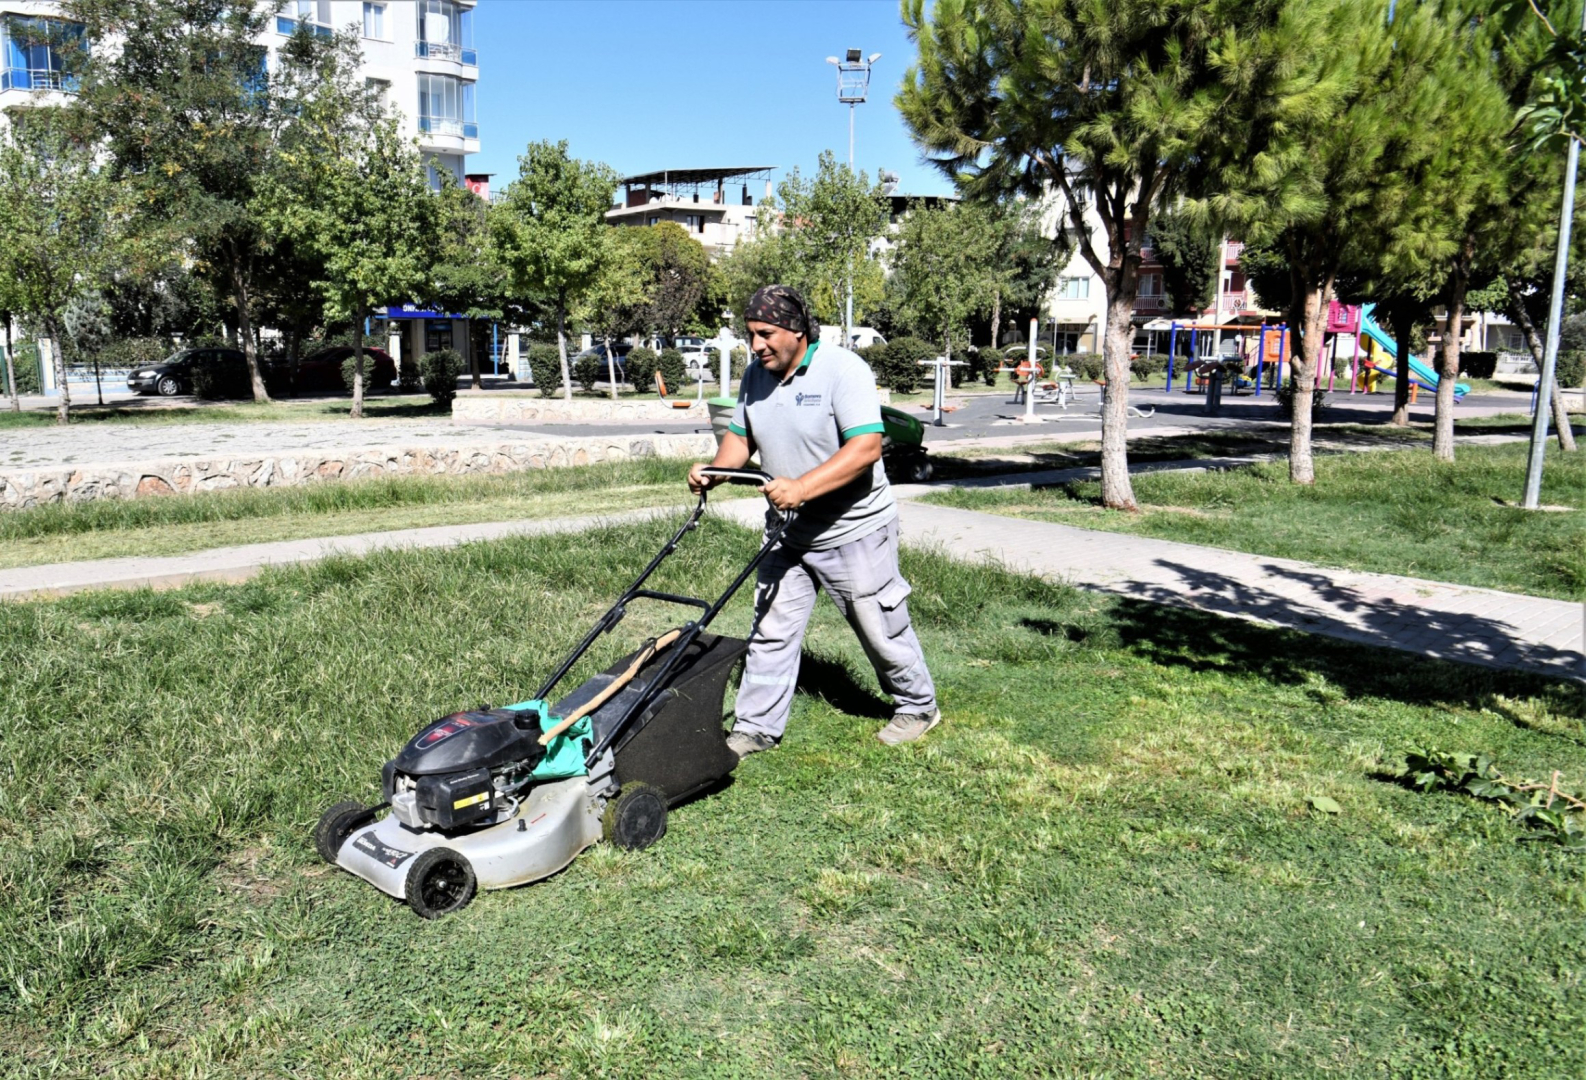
(1398, 513)
(1104, 861)
(108, 528)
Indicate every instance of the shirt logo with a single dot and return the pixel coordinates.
(802, 398)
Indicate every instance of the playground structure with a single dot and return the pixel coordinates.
(1272, 348)
(1380, 346)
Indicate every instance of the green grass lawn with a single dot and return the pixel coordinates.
(110, 528)
(1103, 863)
(1399, 513)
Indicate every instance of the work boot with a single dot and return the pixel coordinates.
(909, 726)
(744, 743)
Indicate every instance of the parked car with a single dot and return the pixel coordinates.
(321, 370)
(619, 355)
(174, 374)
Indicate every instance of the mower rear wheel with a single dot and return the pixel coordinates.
(441, 882)
(336, 825)
(636, 818)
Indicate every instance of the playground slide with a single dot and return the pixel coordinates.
(1419, 372)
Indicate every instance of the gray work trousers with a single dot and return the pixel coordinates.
(862, 579)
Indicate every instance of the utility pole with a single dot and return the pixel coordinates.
(853, 87)
(1555, 317)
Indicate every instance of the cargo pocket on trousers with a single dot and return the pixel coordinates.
(894, 607)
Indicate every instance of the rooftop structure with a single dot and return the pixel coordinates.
(697, 199)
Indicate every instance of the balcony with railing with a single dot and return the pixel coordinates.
(446, 50)
(441, 125)
(35, 53)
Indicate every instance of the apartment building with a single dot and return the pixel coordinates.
(419, 52)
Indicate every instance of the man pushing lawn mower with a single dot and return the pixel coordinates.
(811, 411)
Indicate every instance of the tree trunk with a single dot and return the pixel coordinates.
(239, 292)
(1117, 493)
(1533, 341)
(63, 411)
(996, 317)
(293, 348)
(10, 362)
(357, 363)
(1403, 330)
(1448, 355)
(474, 381)
(561, 346)
(1309, 315)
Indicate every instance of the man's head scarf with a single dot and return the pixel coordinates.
(782, 306)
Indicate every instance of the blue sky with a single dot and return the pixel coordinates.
(656, 84)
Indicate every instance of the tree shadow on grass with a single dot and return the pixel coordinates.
(1200, 641)
(834, 682)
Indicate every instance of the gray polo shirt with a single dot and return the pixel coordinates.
(802, 421)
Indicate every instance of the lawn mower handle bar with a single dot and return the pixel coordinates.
(615, 614)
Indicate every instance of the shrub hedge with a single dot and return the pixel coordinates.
(438, 371)
(545, 363)
(641, 365)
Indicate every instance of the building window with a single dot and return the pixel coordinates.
(379, 88)
(374, 21)
(315, 11)
(1073, 288)
(1151, 285)
(34, 53)
(694, 222)
(445, 32)
(446, 106)
(655, 219)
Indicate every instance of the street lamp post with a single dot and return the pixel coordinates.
(853, 86)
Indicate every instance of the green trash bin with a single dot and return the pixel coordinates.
(721, 410)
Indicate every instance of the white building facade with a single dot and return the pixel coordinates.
(419, 52)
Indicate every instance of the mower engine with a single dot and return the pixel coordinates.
(463, 769)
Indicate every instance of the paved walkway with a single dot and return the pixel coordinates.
(1451, 622)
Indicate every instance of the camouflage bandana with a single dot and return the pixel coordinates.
(782, 306)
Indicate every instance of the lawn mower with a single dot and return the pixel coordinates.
(495, 797)
(903, 447)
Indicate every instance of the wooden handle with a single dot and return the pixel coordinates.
(644, 657)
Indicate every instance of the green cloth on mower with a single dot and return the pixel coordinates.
(565, 755)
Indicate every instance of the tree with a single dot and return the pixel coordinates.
(674, 274)
(1116, 107)
(945, 268)
(829, 223)
(59, 220)
(1383, 186)
(185, 109)
(1026, 262)
(1188, 251)
(348, 190)
(551, 231)
(619, 301)
(469, 277)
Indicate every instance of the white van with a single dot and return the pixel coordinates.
(859, 337)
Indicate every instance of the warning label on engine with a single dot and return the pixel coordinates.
(373, 848)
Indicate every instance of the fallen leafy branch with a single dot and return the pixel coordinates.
(1541, 805)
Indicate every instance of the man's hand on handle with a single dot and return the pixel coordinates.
(785, 494)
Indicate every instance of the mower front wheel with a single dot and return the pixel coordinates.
(441, 882)
(636, 818)
(336, 825)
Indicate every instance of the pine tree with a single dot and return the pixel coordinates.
(1118, 107)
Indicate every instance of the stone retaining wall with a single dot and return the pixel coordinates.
(514, 407)
(22, 489)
